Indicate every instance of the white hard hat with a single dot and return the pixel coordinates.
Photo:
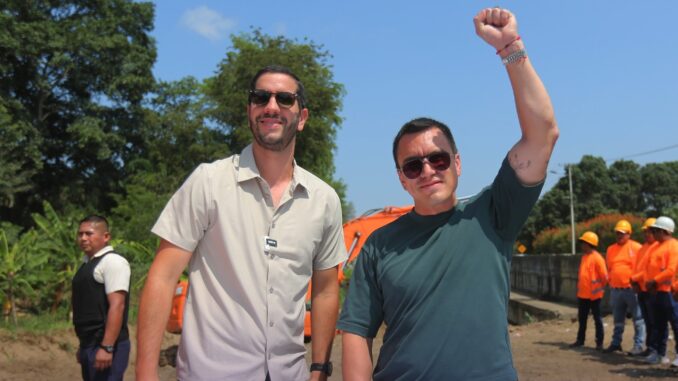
(664, 223)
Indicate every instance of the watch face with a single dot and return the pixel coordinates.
(107, 348)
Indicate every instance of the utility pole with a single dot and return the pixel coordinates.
(573, 238)
(569, 180)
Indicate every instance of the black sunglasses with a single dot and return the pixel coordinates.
(439, 161)
(283, 98)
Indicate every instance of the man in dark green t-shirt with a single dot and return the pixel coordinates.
(438, 277)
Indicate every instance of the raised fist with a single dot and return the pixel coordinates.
(498, 27)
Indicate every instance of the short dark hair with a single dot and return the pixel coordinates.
(418, 125)
(301, 93)
(95, 219)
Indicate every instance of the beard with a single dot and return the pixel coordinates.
(273, 143)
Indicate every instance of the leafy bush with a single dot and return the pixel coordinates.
(558, 240)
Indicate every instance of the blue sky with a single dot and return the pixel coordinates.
(609, 66)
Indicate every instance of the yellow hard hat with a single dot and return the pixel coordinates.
(590, 237)
(623, 226)
(649, 222)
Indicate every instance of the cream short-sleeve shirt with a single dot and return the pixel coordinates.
(250, 268)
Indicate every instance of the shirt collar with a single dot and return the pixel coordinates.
(247, 170)
(99, 253)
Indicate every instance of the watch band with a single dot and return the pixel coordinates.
(514, 57)
(107, 348)
(322, 367)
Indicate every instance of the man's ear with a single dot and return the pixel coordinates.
(303, 116)
(457, 163)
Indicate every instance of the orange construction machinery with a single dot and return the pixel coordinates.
(356, 232)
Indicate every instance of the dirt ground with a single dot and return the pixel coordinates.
(540, 352)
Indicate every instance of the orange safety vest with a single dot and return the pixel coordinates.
(639, 275)
(662, 264)
(621, 260)
(592, 276)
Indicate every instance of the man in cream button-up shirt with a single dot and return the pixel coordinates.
(254, 229)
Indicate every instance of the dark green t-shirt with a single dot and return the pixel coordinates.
(440, 284)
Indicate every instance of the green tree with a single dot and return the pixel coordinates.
(591, 186)
(19, 156)
(660, 187)
(17, 275)
(56, 240)
(139, 256)
(591, 183)
(177, 138)
(625, 188)
(553, 209)
(227, 94)
(77, 72)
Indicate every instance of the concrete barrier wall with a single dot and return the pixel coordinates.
(549, 276)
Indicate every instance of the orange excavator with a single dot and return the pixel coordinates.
(356, 232)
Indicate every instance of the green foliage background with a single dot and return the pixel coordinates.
(85, 128)
(623, 188)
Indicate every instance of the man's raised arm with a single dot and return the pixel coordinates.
(530, 156)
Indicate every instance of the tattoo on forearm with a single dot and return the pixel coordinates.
(518, 164)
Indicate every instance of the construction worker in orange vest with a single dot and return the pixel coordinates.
(590, 288)
(621, 261)
(638, 281)
(661, 269)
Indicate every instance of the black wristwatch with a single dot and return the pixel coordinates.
(107, 348)
(325, 368)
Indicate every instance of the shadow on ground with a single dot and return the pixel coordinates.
(626, 365)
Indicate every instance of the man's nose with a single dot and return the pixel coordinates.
(272, 105)
(427, 169)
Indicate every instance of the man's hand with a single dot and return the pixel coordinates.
(651, 286)
(102, 359)
(496, 26)
(77, 355)
(636, 287)
(318, 376)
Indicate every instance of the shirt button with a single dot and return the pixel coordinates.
(271, 324)
(270, 290)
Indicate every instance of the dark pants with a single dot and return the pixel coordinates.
(673, 321)
(648, 315)
(584, 306)
(661, 305)
(114, 373)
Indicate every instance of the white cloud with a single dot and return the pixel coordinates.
(207, 23)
